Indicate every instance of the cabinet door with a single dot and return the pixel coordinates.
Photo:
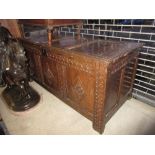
(34, 60)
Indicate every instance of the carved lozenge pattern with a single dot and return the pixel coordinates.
(78, 89)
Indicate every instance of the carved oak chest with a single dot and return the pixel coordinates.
(95, 77)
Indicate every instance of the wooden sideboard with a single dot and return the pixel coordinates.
(95, 77)
(49, 24)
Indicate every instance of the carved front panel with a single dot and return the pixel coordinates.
(50, 73)
(80, 88)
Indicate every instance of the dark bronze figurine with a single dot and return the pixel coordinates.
(14, 74)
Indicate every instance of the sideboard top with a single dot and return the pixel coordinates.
(50, 22)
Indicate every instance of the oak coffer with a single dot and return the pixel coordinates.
(95, 77)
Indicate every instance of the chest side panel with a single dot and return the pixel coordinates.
(34, 57)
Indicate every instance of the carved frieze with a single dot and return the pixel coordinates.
(70, 62)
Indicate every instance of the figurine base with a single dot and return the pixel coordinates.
(19, 102)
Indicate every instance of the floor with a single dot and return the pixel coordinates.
(52, 116)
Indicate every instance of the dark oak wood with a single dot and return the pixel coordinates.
(95, 77)
(94, 85)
